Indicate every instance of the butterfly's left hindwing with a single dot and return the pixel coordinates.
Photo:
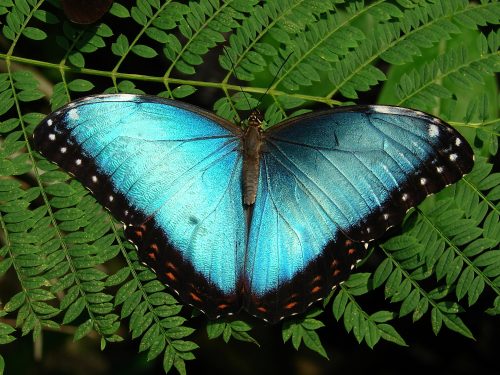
(171, 173)
(332, 180)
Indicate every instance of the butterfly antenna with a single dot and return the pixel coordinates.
(234, 70)
(274, 79)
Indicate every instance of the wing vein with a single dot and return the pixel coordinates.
(304, 187)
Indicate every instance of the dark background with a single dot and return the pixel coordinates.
(447, 353)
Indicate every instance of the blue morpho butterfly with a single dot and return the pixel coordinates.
(240, 217)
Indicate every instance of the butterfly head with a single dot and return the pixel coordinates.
(255, 119)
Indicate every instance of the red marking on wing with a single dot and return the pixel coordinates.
(170, 275)
(290, 305)
(317, 278)
(171, 266)
(195, 297)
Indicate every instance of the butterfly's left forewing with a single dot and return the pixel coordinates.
(331, 181)
(171, 173)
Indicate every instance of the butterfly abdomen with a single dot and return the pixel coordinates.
(252, 144)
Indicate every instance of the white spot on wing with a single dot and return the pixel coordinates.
(386, 216)
(94, 179)
(390, 110)
(124, 98)
(386, 109)
(110, 198)
(423, 181)
(78, 161)
(49, 122)
(453, 157)
(458, 142)
(433, 131)
(63, 150)
(52, 136)
(404, 197)
(73, 114)
(439, 169)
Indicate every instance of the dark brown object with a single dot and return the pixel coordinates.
(85, 11)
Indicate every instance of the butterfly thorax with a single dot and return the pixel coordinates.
(252, 144)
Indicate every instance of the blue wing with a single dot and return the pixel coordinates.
(171, 173)
(332, 180)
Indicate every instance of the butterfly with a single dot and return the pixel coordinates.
(233, 217)
(85, 11)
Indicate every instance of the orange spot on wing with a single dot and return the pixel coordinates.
(170, 275)
(351, 251)
(316, 289)
(223, 306)
(170, 265)
(336, 272)
(334, 264)
(195, 297)
(152, 256)
(348, 243)
(290, 305)
(317, 278)
(138, 233)
(262, 309)
(154, 247)
(143, 227)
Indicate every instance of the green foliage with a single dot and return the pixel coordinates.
(304, 330)
(236, 329)
(370, 328)
(59, 246)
